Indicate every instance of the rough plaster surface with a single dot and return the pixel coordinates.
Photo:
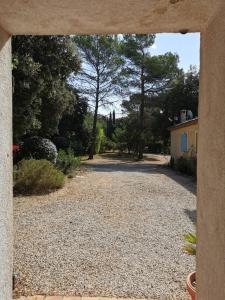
(211, 164)
(105, 16)
(5, 168)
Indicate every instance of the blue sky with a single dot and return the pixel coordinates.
(187, 46)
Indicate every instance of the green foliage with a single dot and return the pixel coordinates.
(41, 67)
(120, 138)
(182, 94)
(72, 126)
(186, 165)
(67, 162)
(98, 78)
(39, 148)
(110, 145)
(145, 76)
(162, 109)
(155, 147)
(36, 177)
(100, 140)
(191, 240)
(61, 142)
(52, 91)
(111, 124)
(79, 147)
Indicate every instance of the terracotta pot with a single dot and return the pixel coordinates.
(191, 289)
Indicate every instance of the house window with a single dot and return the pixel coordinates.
(184, 146)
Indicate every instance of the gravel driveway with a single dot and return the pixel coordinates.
(113, 231)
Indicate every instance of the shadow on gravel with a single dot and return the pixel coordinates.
(125, 157)
(192, 214)
(142, 167)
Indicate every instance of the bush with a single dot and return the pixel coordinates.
(186, 165)
(121, 146)
(61, 142)
(172, 163)
(67, 162)
(37, 177)
(110, 145)
(40, 148)
(77, 147)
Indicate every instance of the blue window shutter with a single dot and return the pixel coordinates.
(184, 147)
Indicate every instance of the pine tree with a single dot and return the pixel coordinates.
(114, 118)
(98, 77)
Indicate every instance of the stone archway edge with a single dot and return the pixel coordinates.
(42, 297)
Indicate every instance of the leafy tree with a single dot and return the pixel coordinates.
(182, 94)
(72, 126)
(41, 67)
(120, 138)
(145, 75)
(98, 77)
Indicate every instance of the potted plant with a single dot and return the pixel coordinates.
(190, 248)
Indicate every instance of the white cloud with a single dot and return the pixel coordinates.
(154, 46)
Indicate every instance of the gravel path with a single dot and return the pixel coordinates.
(114, 231)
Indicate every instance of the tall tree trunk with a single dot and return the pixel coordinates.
(93, 135)
(141, 116)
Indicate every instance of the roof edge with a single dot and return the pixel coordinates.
(184, 124)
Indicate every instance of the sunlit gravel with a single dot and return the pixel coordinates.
(114, 231)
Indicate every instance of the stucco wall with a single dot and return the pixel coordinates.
(211, 163)
(105, 16)
(5, 168)
(191, 141)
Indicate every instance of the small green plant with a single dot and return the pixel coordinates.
(37, 177)
(67, 162)
(191, 241)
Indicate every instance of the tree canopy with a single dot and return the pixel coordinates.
(41, 93)
(145, 76)
(61, 82)
(98, 77)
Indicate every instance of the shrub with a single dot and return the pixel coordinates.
(37, 177)
(67, 162)
(77, 147)
(186, 165)
(61, 142)
(40, 148)
(121, 146)
(172, 163)
(110, 145)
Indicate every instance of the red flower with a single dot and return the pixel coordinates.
(16, 148)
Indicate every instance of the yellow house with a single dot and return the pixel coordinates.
(184, 139)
